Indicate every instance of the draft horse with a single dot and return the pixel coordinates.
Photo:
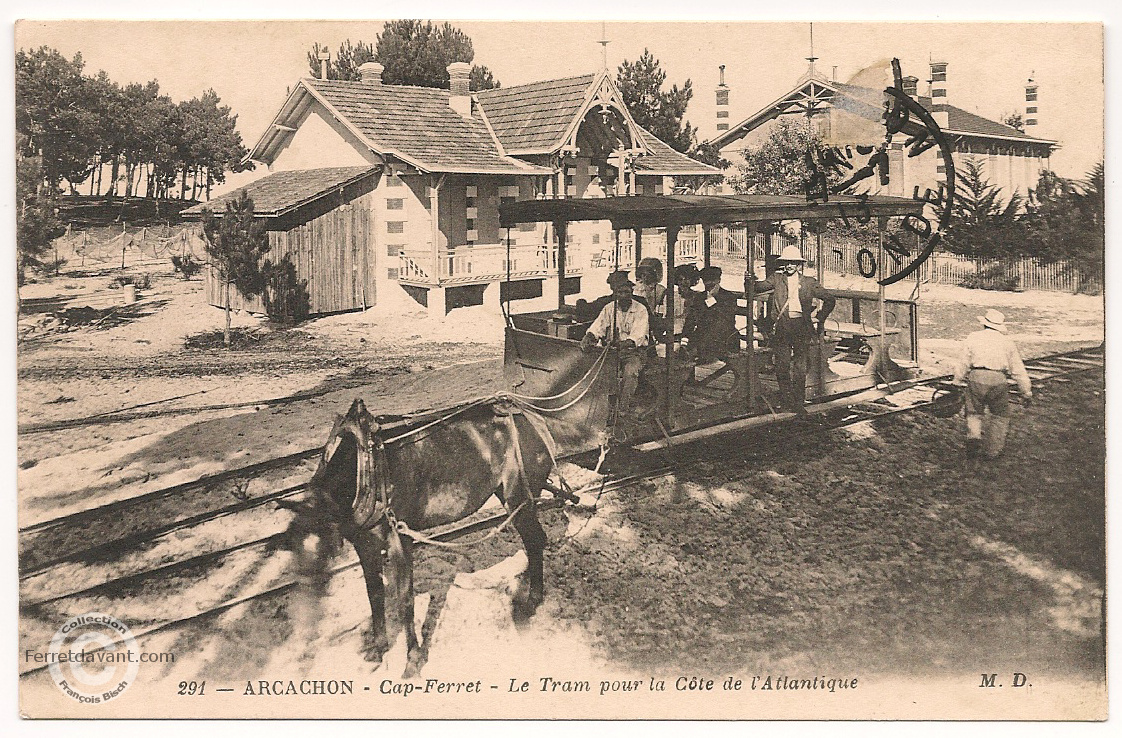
(422, 473)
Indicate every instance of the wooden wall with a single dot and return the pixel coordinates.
(334, 257)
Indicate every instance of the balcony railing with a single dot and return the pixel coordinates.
(482, 263)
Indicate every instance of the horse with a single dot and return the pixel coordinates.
(375, 485)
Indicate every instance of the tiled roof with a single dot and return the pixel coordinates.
(417, 124)
(869, 103)
(665, 160)
(957, 119)
(282, 191)
(534, 117)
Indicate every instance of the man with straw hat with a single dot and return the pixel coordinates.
(791, 306)
(624, 323)
(989, 356)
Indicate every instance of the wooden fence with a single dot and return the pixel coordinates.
(1014, 273)
(841, 255)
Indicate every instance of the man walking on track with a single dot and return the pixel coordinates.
(989, 356)
(791, 306)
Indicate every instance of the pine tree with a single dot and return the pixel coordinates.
(981, 224)
(236, 242)
(659, 111)
(37, 222)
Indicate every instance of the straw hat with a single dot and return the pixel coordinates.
(620, 277)
(993, 319)
(791, 253)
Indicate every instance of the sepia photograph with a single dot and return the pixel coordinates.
(574, 369)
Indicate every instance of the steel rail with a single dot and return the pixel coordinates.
(873, 412)
(446, 534)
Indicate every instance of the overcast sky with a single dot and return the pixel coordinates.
(251, 64)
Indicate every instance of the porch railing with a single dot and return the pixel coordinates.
(488, 262)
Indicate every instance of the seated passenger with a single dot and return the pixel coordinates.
(686, 277)
(623, 323)
(649, 274)
(586, 311)
(710, 330)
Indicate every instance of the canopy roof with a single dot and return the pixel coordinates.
(654, 211)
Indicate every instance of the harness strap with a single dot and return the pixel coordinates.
(403, 529)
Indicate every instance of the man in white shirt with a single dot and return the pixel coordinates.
(623, 323)
(792, 306)
(988, 358)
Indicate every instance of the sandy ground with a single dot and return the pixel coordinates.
(398, 361)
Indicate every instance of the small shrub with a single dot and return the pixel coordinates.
(53, 266)
(142, 281)
(992, 278)
(187, 266)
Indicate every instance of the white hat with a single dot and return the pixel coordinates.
(791, 253)
(993, 319)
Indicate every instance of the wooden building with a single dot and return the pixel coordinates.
(850, 114)
(436, 166)
(319, 227)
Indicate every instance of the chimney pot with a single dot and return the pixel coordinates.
(371, 73)
(1032, 105)
(459, 76)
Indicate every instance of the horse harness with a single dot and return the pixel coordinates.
(371, 509)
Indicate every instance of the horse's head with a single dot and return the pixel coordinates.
(333, 487)
(347, 452)
(358, 426)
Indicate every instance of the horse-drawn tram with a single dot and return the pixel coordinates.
(865, 349)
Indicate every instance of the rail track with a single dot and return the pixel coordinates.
(39, 569)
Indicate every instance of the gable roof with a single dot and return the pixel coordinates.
(867, 103)
(667, 161)
(414, 124)
(536, 118)
(533, 118)
(282, 192)
(418, 126)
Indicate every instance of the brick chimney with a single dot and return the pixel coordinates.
(1032, 107)
(459, 74)
(722, 103)
(324, 57)
(939, 92)
(371, 73)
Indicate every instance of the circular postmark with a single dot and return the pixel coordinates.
(93, 658)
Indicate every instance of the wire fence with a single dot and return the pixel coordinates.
(126, 246)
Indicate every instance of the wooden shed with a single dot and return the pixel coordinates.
(322, 245)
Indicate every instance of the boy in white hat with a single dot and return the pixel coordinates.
(791, 305)
(989, 356)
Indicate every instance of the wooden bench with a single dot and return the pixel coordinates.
(857, 330)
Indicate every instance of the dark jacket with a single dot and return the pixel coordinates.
(712, 328)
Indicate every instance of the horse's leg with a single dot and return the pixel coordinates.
(400, 576)
(526, 601)
(369, 549)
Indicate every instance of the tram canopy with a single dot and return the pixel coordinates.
(659, 211)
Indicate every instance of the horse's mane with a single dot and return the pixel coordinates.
(393, 426)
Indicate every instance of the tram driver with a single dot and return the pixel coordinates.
(624, 323)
